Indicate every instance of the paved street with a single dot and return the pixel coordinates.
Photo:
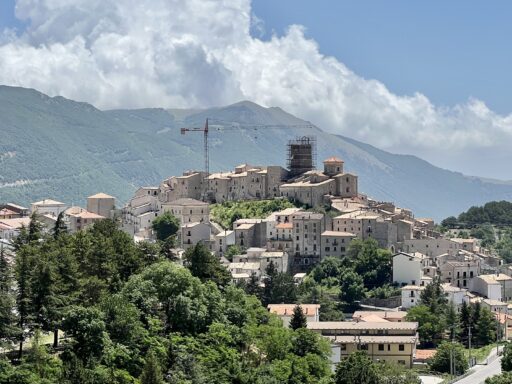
(482, 372)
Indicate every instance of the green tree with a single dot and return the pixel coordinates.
(298, 319)
(449, 222)
(431, 326)
(60, 227)
(466, 322)
(447, 352)
(165, 225)
(152, 373)
(24, 260)
(506, 361)
(433, 297)
(351, 287)
(205, 265)
(87, 329)
(8, 329)
(373, 264)
(35, 228)
(356, 368)
(452, 322)
(504, 378)
(486, 327)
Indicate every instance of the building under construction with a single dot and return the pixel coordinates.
(301, 155)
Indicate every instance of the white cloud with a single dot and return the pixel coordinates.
(198, 53)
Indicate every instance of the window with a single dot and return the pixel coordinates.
(471, 274)
(327, 249)
(401, 362)
(381, 347)
(364, 347)
(343, 347)
(401, 347)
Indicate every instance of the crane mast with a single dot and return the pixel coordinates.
(206, 148)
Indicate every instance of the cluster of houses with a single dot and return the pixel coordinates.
(13, 217)
(334, 213)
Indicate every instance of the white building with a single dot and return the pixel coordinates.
(194, 233)
(411, 295)
(48, 206)
(408, 268)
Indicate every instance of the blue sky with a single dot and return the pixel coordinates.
(448, 50)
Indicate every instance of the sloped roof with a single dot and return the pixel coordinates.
(333, 159)
(101, 195)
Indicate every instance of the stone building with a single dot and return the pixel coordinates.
(101, 204)
(188, 210)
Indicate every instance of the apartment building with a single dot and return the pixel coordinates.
(188, 210)
(335, 244)
(411, 295)
(307, 230)
(408, 268)
(393, 342)
(194, 233)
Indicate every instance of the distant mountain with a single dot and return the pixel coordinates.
(55, 147)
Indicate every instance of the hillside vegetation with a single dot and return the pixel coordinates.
(58, 148)
(228, 212)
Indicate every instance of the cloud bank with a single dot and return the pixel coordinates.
(200, 53)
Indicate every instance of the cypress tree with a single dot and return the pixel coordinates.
(8, 329)
(298, 319)
(60, 227)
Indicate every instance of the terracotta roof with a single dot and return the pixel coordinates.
(287, 309)
(373, 339)
(383, 314)
(425, 354)
(351, 325)
(101, 195)
(333, 159)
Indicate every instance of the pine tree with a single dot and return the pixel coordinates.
(24, 260)
(465, 320)
(8, 329)
(434, 298)
(34, 228)
(486, 327)
(452, 322)
(152, 373)
(60, 227)
(298, 319)
(271, 273)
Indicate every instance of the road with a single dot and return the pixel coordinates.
(482, 372)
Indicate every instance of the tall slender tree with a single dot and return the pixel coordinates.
(8, 328)
(298, 319)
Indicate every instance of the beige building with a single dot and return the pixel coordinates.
(307, 230)
(335, 244)
(77, 218)
(101, 204)
(430, 247)
(382, 340)
(460, 273)
(194, 233)
(188, 210)
(393, 316)
(250, 233)
(285, 312)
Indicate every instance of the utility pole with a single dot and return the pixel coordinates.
(498, 331)
(469, 344)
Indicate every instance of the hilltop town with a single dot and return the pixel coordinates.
(326, 214)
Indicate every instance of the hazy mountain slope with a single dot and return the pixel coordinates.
(54, 147)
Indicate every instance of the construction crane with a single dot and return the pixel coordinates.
(224, 126)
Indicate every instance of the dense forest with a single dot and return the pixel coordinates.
(95, 307)
(491, 223)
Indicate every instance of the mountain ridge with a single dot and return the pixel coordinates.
(59, 148)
